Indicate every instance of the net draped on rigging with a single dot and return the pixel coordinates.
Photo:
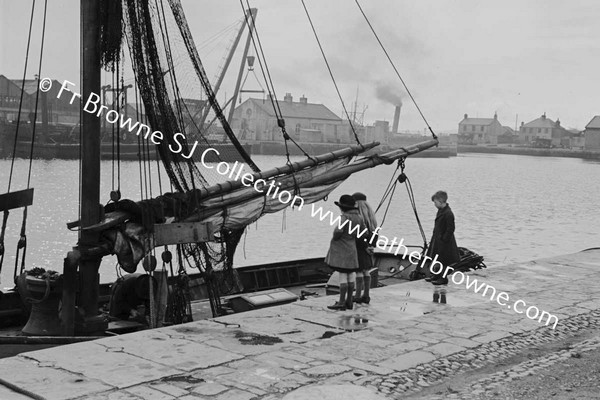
(171, 79)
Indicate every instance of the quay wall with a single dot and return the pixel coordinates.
(528, 151)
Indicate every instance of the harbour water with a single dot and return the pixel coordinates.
(508, 208)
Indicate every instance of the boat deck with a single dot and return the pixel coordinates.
(400, 344)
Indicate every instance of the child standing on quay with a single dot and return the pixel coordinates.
(443, 243)
(342, 256)
(364, 250)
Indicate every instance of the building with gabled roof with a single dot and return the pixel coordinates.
(479, 130)
(592, 134)
(255, 119)
(542, 128)
(60, 110)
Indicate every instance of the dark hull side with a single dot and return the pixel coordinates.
(252, 278)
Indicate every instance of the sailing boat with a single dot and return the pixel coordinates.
(205, 216)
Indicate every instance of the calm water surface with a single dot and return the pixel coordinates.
(508, 209)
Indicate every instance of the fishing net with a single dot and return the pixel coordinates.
(171, 79)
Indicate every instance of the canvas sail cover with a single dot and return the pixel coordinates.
(169, 75)
(174, 89)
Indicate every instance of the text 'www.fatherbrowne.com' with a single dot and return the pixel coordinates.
(436, 267)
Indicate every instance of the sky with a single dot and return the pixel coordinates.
(518, 59)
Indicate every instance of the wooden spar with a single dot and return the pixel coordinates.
(307, 181)
(117, 217)
(286, 169)
(370, 162)
(301, 179)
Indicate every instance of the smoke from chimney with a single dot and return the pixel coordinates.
(396, 119)
(386, 92)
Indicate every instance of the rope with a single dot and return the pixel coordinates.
(389, 194)
(119, 132)
(411, 196)
(44, 297)
(390, 185)
(2, 248)
(260, 55)
(22, 244)
(113, 132)
(37, 95)
(395, 69)
(271, 90)
(331, 73)
(12, 163)
(20, 390)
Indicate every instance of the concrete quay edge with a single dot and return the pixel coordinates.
(400, 343)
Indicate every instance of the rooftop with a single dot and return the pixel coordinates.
(292, 109)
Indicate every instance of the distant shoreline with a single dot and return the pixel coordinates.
(528, 151)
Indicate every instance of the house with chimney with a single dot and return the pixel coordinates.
(479, 130)
(592, 134)
(543, 130)
(255, 119)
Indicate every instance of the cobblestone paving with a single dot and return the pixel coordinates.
(435, 372)
(483, 387)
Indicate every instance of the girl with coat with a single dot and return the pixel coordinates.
(342, 256)
(364, 249)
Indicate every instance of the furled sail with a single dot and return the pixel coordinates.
(168, 70)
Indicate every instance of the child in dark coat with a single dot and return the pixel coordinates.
(443, 243)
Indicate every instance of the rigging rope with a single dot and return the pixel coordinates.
(22, 243)
(260, 55)
(12, 163)
(37, 94)
(331, 73)
(201, 73)
(395, 69)
(14, 152)
(2, 248)
(389, 194)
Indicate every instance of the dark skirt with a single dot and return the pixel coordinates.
(365, 261)
(342, 270)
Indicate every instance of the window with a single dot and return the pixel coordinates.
(482, 128)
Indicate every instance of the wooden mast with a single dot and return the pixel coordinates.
(92, 322)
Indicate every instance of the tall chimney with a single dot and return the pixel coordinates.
(396, 119)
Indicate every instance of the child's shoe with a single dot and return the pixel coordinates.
(337, 306)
